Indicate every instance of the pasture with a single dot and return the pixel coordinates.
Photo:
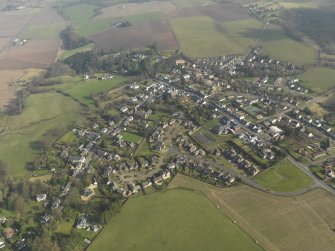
(172, 220)
(43, 31)
(139, 35)
(278, 223)
(82, 90)
(284, 177)
(24, 135)
(190, 3)
(199, 38)
(318, 79)
(224, 12)
(279, 46)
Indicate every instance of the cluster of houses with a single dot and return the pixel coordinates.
(238, 159)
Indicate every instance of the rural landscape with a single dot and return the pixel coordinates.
(167, 125)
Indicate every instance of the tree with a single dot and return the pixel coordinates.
(42, 244)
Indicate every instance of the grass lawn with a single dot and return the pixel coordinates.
(83, 89)
(67, 138)
(319, 79)
(131, 137)
(172, 220)
(21, 141)
(65, 227)
(279, 46)
(284, 177)
(68, 53)
(43, 31)
(199, 38)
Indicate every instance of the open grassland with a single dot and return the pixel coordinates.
(43, 31)
(284, 177)
(23, 136)
(68, 53)
(81, 90)
(172, 220)
(319, 79)
(198, 38)
(279, 223)
(130, 9)
(279, 46)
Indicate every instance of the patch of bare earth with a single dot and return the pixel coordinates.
(137, 36)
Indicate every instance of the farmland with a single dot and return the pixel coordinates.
(198, 37)
(284, 177)
(280, 46)
(137, 36)
(279, 223)
(68, 53)
(319, 79)
(172, 220)
(27, 132)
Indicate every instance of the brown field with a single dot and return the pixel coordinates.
(279, 223)
(10, 25)
(219, 12)
(34, 54)
(137, 36)
(128, 9)
(46, 16)
(3, 42)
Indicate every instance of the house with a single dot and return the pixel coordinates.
(2, 244)
(82, 222)
(146, 184)
(45, 219)
(329, 172)
(41, 197)
(9, 232)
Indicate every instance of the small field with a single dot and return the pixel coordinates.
(137, 36)
(172, 220)
(278, 223)
(190, 3)
(279, 46)
(224, 12)
(319, 79)
(10, 25)
(131, 137)
(68, 53)
(24, 136)
(198, 38)
(284, 177)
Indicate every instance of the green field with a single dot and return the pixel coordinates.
(148, 16)
(81, 17)
(131, 137)
(284, 177)
(68, 53)
(279, 46)
(43, 31)
(83, 89)
(319, 79)
(24, 134)
(244, 31)
(190, 3)
(199, 38)
(172, 220)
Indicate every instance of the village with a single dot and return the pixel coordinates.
(219, 120)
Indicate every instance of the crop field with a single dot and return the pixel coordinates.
(24, 135)
(83, 89)
(284, 177)
(10, 25)
(278, 223)
(199, 38)
(190, 3)
(224, 12)
(68, 53)
(43, 31)
(131, 137)
(130, 9)
(280, 46)
(137, 36)
(34, 54)
(172, 220)
(319, 79)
